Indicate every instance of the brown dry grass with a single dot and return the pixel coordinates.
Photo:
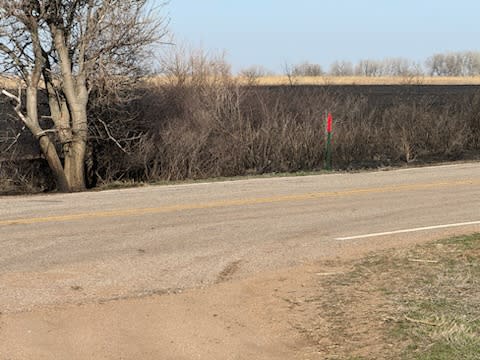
(363, 80)
(419, 303)
(338, 80)
(12, 83)
(8, 82)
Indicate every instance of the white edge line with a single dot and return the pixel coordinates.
(408, 230)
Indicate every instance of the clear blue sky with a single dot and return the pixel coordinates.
(273, 32)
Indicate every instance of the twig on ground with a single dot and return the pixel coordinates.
(424, 261)
(423, 322)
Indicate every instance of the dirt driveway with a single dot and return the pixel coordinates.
(241, 319)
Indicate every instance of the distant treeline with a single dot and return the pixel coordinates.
(465, 63)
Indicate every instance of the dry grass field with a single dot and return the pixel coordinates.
(362, 80)
(9, 82)
(333, 80)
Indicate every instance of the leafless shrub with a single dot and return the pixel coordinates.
(182, 66)
(289, 73)
(307, 69)
(252, 74)
(25, 176)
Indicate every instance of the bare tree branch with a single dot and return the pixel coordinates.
(107, 130)
(18, 106)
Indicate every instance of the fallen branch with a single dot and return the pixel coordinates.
(424, 261)
(423, 322)
(329, 273)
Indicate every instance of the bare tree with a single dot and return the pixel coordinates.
(253, 74)
(341, 68)
(369, 67)
(400, 67)
(435, 65)
(70, 49)
(288, 71)
(181, 65)
(472, 63)
(465, 63)
(307, 69)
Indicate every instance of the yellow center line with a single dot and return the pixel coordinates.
(238, 202)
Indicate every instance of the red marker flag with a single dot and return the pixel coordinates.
(329, 122)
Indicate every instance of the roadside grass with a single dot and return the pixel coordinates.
(421, 303)
(441, 310)
(434, 292)
(440, 307)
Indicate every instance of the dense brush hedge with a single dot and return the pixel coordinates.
(177, 131)
(225, 130)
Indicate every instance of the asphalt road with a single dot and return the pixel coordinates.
(99, 246)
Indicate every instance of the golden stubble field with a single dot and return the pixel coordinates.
(363, 80)
(280, 80)
(9, 82)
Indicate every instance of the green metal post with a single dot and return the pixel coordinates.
(328, 149)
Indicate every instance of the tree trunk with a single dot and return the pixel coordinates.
(46, 145)
(75, 157)
(50, 153)
(75, 165)
(76, 94)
